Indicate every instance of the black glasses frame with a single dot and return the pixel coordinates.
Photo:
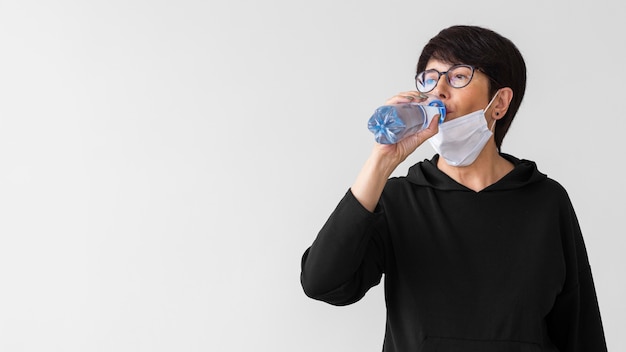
(445, 73)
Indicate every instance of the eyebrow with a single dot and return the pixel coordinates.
(448, 69)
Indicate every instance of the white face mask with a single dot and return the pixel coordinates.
(461, 140)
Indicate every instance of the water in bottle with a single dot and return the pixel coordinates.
(391, 123)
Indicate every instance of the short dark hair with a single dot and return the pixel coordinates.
(488, 51)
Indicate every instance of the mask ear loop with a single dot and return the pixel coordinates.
(491, 101)
(493, 125)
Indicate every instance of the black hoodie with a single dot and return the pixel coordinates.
(504, 269)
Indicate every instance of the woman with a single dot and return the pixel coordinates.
(480, 251)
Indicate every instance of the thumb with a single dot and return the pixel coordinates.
(409, 144)
(431, 130)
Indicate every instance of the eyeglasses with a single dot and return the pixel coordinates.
(458, 76)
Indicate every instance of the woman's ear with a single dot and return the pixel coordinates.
(501, 104)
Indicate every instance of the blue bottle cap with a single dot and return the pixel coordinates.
(442, 108)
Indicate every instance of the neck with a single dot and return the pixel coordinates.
(486, 170)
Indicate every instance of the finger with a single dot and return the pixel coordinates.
(407, 97)
(432, 128)
(415, 95)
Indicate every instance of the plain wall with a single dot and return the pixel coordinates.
(164, 164)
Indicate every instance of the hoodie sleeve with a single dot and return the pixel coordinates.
(346, 259)
(574, 324)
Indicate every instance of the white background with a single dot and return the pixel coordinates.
(164, 164)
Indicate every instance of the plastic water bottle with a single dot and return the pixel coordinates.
(391, 123)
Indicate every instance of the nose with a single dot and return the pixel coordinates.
(442, 89)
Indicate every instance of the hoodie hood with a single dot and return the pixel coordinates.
(427, 174)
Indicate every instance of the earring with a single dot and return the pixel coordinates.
(497, 114)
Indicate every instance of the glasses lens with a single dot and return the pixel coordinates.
(427, 80)
(460, 76)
